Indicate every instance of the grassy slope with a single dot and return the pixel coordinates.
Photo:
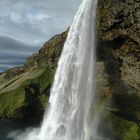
(12, 93)
(17, 81)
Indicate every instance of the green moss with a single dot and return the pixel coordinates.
(129, 103)
(126, 130)
(11, 103)
(39, 69)
(2, 80)
(17, 82)
(117, 127)
(44, 100)
(127, 127)
(46, 78)
(10, 82)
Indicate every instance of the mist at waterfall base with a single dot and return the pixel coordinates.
(69, 116)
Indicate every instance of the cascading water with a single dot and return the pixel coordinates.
(73, 91)
(74, 88)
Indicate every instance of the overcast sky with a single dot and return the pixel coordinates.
(26, 24)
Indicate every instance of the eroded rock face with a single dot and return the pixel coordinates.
(119, 18)
(33, 107)
(118, 66)
(118, 28)
(13, 72)
(50, 52)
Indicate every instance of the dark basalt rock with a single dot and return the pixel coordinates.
(118, 68)
(118, 34)
(33, 107)
(118, 28)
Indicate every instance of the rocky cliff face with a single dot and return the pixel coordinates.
(49, 53)
(118, 28)
(119, 31)
(118, 72)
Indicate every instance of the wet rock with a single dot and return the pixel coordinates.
(33, 107)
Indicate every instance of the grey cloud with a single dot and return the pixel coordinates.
(24, 32)
(12, 61)
(13, 52)
(7, 43)
(35, 21)
(31, 22)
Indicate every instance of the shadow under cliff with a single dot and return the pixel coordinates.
(121, 116)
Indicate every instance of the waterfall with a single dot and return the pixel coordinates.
(74, 84)
(73, 90)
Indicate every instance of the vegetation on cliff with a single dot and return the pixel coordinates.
(22, 88)
(118, 72)
(118, 28)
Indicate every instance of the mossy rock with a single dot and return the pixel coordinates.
(129, 104)
(117, 128)
(44, 100)
(120, 117)
(45, 78)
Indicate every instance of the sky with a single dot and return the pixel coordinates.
(26, 24)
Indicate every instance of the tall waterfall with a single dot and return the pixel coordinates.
(73, 91)
(74, 84)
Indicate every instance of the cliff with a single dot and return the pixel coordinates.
(118, 28)
(26, 89)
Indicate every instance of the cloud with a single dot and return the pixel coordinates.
(7, 43)
(16, 17)
(13, 52)
(32, 20)
(37, 18)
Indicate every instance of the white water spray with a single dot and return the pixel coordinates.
(68, 117)
(73, 90)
